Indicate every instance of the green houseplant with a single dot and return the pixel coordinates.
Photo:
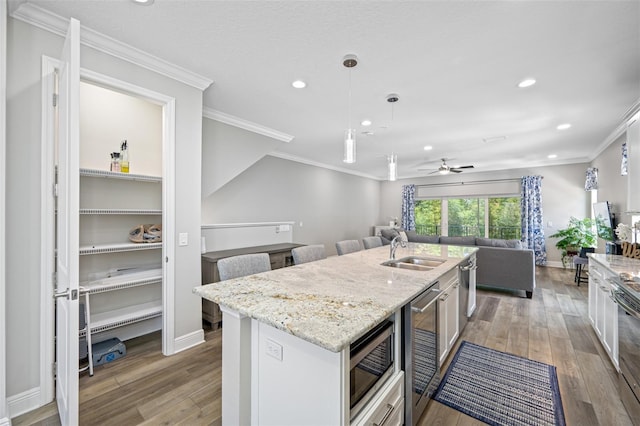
(579, 233)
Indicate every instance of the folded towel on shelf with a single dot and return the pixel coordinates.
(146, 233)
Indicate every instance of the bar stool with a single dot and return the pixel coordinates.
(580, 260)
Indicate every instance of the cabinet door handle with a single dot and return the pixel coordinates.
(603, 288)
(386, 415)
(445, 297)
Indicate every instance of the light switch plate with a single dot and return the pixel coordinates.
(183, 239)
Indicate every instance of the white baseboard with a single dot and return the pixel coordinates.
(5, 422)
(188, 341)
(23, 402)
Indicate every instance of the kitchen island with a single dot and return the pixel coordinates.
(287, 333)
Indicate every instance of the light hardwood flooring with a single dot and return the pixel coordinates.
(147, 388)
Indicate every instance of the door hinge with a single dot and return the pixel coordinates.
(54, 366)
(54, 279)
(55, 99)
(55, 190)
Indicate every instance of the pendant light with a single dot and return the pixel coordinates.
(350, 61)
(392, 160)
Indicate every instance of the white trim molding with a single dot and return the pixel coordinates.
(24, 402)
(619, 130)
(4, 407)
(241, 123)
(324, 166)
(188, 341)
(49, 21)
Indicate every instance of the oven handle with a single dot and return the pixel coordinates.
(628, 309)
(359, 356)
(432, 295)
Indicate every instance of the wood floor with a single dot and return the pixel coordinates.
(147, 388)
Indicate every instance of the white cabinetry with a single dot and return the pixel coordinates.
(603, 311)
(123, 280)
(448, 313)
(387, 408)
(633, 151)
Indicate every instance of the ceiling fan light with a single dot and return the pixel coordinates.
(349, 146)
(443, 171)
(393, 167)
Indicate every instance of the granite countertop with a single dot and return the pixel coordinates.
(334, 301)
(626, 268)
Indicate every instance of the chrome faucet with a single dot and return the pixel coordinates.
(394, 245)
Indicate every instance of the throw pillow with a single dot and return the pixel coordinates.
(389, 234)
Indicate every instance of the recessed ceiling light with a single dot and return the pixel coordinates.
(428, 148)
(143, 2)
(299, 84)
(366, 122)
(552, 156)
(564, 126)
(527, 83)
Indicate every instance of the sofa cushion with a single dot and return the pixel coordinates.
(458, 241)
(497, 242)
(414, 237)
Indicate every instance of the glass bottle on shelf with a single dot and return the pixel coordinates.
(124, 157)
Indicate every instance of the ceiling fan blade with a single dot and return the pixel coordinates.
(464, 167)
(452, 170)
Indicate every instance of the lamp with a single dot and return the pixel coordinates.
(392, 160)
(393, 167)
(350, 61)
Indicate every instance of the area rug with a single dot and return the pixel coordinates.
(501, 389)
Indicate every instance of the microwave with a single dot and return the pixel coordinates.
(372, 363)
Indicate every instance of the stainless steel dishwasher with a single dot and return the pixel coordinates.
(420, 352)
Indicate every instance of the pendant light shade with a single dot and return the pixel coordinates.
(393, 167)
(349, 146)
(350, 61)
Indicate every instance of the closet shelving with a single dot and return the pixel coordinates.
(122, 289)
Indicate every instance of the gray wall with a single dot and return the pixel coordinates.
(327, 206)
(612, 186)
(563, 195)
(26, 45)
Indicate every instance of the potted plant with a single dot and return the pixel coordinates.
(579, 233)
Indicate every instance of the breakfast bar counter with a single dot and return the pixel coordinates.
(304, 318)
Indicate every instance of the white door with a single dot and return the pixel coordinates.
(67, 228)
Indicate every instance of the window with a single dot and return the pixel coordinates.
(493, 217)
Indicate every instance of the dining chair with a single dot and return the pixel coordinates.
(242, 265)
(347, 246)
(371, 242)
(308, 253)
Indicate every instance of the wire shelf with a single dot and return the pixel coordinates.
(118, 175)
(125, 316)
(118, 248)
(121, 211)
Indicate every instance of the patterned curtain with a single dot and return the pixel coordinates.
(531, 216)
(624, 165)
(591, 181)
(408, 207)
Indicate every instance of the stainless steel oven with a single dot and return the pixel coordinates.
(372, 363)
(420, 352)
(629, 346)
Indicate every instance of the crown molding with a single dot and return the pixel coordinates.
(322, 165)
(619, 130)
(245, 124)
(49, 21)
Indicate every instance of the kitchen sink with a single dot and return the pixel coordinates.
(414, 263)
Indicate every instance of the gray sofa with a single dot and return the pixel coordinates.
(501, 263)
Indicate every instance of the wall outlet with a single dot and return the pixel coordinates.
(274, 349)
(284, 228)
(183, 239)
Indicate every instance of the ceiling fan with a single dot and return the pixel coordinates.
(446, 169)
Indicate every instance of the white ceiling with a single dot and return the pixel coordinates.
(454, 64)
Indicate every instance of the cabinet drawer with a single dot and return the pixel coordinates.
(388, 407)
